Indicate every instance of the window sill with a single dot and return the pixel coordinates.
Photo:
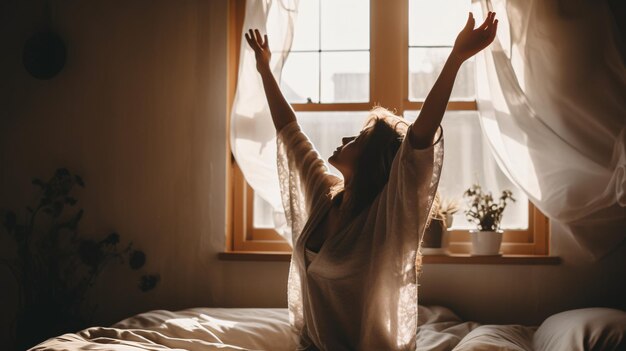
(426, 259)
(255, 256)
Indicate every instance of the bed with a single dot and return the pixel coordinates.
(268, 329)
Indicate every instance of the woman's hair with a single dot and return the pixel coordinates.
(373, 166)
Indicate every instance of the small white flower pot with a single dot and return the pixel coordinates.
(486, 243)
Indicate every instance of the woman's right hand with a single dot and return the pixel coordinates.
(261, 49)
(470, 41)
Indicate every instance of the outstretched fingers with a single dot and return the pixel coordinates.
(251, 40)
(256, 42)
(470, 22)
(492, 31)
(488, 21)
(258, 37)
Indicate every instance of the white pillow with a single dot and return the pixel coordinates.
(588, 329)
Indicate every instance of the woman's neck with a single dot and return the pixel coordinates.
(344, 203)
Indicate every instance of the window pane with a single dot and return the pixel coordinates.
(345, 24)
(263, 213)
(325, 130)
(300, 77)
(425, 64)
(467, 160)
(345, 76)
(436, 22)
(307, 26)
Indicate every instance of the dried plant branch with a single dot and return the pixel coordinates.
(54, 266)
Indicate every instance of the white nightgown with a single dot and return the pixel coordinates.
(359, 292)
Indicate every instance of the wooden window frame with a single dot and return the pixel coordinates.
(386, 71)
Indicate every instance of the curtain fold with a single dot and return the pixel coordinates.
(551, 92)
(252, 133)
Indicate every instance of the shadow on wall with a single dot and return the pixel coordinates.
(54, 266)
(139, 110)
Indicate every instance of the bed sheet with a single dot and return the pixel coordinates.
(267, 329)
(190, 329)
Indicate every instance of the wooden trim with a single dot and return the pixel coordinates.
(426, 259)
(458, 105)
(360, 106)
(239, 209)
(255, 256)
(244, 236)
(387, 58)
(240, 234)
(236, 13)
(407, 105)
(252, 233)
(541, 234)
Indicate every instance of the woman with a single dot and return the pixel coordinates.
(353, 281)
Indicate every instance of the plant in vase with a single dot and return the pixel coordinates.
(440, 220)
(486, 214)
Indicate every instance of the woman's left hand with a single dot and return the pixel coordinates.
(260, 46)
(470, 41)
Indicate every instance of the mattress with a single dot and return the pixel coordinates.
(268, 329)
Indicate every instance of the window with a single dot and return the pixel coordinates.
(337, 70)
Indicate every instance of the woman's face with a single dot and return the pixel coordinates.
(347, 154)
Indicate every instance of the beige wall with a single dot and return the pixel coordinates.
(139, 112)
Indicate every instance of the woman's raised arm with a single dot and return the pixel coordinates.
(282, 113)
(469, 42)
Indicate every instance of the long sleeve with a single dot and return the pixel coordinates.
(411, 189)
(303, 176)
(304, 180)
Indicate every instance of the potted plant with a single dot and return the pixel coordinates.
(487, 215)
(440, 220)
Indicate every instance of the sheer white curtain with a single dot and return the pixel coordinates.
(551, 94)
(253, 137)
